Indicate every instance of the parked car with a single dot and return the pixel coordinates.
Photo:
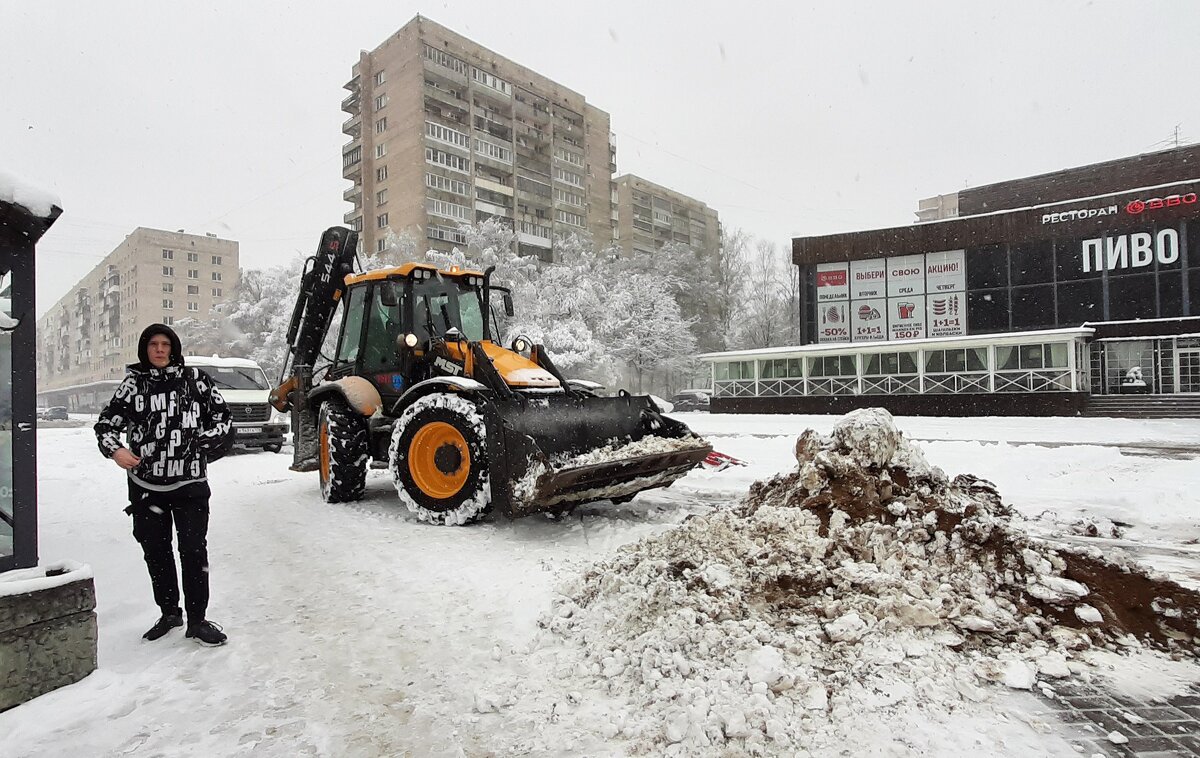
(245, 388)
(692, 400)
(54, 413)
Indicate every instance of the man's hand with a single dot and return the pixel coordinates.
(126, 459)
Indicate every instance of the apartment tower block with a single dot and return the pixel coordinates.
(444, 132)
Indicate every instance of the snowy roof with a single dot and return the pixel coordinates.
(36, 201)
(218, 362)
(1003, 338)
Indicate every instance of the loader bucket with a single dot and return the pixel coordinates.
(555, 451)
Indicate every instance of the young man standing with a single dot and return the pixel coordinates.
(175, 422)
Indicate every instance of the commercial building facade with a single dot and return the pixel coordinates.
(444, 132)
(85, 340)
(650, 215)
(1099, 267)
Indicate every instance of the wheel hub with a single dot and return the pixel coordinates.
(447, 459)
(439, 460)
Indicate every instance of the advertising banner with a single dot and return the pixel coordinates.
(947, 314)
(868, 279)
(833, 322)
(906, 317)
(906, 275)
(833, 282)
(868, 320)
(946, 272)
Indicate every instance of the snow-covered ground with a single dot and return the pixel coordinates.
(358, 631)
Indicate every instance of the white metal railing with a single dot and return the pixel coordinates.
(955, 383)
(1034, 380)
(734, 388)
(833, 386)
(892, 384)
(781, 387)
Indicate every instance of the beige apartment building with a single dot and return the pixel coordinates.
(444, 132)
(650, 215)
(91, 333)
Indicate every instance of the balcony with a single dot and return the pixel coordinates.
(493, 186)
(353, 192)
(352, 104)
(447, 97)
(352, 126)
(493, 210)
(355, 83)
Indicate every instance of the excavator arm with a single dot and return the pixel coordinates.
(321, 287)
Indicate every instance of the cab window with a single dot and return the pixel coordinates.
(352, 321)
(383, 327)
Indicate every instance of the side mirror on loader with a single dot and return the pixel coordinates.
(508, 305)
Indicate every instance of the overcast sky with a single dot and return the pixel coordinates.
(788, 119)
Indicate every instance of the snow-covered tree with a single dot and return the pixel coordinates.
(644, 327)
(728, 290)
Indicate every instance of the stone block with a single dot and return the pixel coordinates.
(47, 640)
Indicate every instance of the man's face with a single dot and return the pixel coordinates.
(159, 351)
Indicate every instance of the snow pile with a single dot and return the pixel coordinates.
(44, 577)
(36, 201)
(619, 451)
(840, 603)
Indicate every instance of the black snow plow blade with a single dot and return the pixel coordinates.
(564, 450)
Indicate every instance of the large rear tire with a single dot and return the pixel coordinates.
(439, 460)
(341, 453)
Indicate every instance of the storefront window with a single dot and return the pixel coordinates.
(781, 368)
(1129, 366)
(1131, 297)
(987, 267)
(987, 311)
(956, 361)
(1033, 307)
(1031, 262)
(1080, 302)
(1068, 256)
(1025, 357)
(832, 365)
(734, 371)
(6, 421)
(884, 364)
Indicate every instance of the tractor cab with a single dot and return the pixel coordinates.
(405, 324)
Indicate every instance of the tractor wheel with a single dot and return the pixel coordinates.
(439, 462)
(342, 453)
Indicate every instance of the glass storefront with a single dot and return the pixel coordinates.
(6, 419)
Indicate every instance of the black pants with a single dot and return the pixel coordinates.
(152, 518)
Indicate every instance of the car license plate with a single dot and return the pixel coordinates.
(249, 430)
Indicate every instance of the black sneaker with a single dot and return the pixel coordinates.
(206, 632)
(162, 626)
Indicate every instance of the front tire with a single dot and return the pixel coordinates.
(439, 462)
(341, 453)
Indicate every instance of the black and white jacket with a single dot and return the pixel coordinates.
(175, 421)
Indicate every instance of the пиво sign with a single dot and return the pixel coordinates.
(1130, 250)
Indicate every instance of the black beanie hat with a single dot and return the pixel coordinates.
(144, 345)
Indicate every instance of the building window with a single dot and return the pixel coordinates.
(193, 257)
(495, 152)
(445, 134)
(168, 271)
(381, 125)
(378, 78)
(193, 306)
(568, 156)
(193, 273)
(168, 287)
(168, 304)
(168, 255)
(570, 177)
(380, 150)
(381, 197)
(536, 230)
(446, 184)
(566, 217)
(216, 276)
(568, 198)
(381, 101)
(449, 210)
(442, 58)
(216, 292)
(193, 289)
(216, 259)
(168, 320)
(381, 174)
(380, 245)
(489, 80)
(382, 221)
(445, 233)
(449, 160)
(356, 224)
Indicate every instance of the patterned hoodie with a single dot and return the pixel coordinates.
(174, 418)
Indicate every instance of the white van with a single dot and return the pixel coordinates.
(245, 388)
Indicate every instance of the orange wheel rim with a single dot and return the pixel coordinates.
(325, 457)
(439, 460)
